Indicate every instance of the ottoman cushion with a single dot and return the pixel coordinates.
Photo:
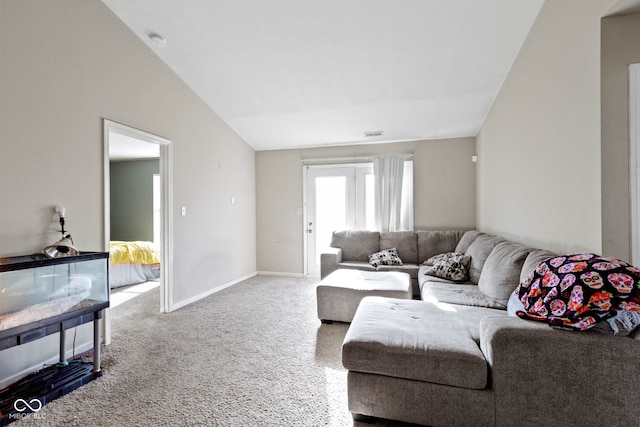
(340, 293)
(417, 340)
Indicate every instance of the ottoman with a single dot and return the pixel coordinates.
(339, 294)
(418, 362)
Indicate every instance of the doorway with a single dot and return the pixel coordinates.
(124, 141)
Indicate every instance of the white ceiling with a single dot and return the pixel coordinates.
(300, 73)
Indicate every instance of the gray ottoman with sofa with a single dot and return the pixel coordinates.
(421, 360)
(339, 294)
(351, 250)
(459, 357)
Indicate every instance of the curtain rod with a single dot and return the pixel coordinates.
(353, 159)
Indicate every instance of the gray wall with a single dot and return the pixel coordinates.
(539, 148)
(444, 193)
(67, 65)
(620, 47)
(131, 200)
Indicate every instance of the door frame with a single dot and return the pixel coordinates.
(166, 183)
(357, 167)
(634, 160)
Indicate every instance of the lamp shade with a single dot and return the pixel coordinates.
(62, 248)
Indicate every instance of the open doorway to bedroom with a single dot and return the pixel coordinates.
(137, 214)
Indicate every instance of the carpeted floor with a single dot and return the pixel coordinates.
(254, 354)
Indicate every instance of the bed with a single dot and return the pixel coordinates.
(133, 262)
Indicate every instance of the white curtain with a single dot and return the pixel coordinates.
(388, 172)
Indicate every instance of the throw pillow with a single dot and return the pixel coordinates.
(455, 267)
(385, 257)
(442, 257)
(579, 290)
(514, 304)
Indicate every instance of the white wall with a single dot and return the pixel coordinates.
(539, 148)
(66, 65)
(444, 193)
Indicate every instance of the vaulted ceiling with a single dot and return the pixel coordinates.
(302, 73)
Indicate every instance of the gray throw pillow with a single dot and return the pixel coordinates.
(453, 267)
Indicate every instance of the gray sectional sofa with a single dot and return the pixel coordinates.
(456, 357)
(351, 249)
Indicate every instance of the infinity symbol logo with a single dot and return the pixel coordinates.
(21, 405)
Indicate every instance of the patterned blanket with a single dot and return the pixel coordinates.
(577, 291)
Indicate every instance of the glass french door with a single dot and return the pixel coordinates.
(337, 198)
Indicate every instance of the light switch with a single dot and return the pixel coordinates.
(184, 211)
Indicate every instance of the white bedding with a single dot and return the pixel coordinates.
(130, 274)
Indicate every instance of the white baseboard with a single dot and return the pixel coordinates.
(277, 273)
(212, 291)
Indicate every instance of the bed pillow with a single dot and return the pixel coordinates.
(452, 267)
(385, 257)
(579, 290)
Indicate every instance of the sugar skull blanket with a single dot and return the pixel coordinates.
(577, 291)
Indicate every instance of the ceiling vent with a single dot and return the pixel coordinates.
(373, 133)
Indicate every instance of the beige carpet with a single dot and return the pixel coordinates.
(254, 354)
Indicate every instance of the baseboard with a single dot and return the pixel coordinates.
(212, 291)
(277, 273)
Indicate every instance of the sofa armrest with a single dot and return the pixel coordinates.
(329, 260)
(545, 376)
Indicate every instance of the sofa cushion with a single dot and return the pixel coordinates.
(454, 293)
(466, 240)
(405, 242)
(431, 243)
(501, 271)
(416, 340)
(385, 257)
(356, 245)
(479, 250)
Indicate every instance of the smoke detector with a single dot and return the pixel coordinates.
(371, 134)
(158, 40)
